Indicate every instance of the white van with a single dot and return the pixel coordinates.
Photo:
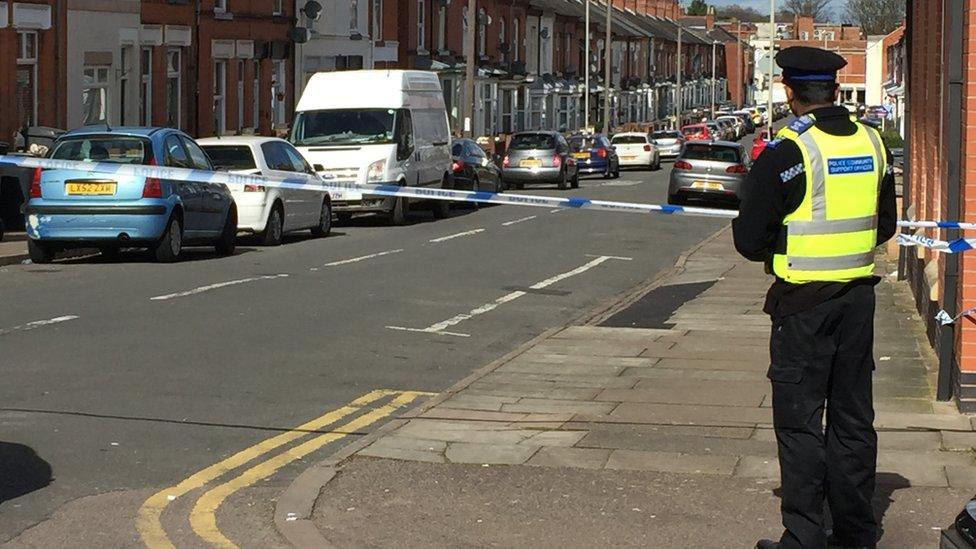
(376, 126)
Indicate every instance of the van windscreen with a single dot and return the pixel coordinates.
(344, 127)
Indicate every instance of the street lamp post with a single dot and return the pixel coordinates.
(607, 49)
(586, 93)
(772, 54)
(714, 43)
(677, 104)
(470, 69)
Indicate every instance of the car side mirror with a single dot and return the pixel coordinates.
(318, 168)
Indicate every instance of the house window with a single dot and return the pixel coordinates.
(442, 28)
(509, 102)
(353, 15)
(421, 11)
(278, 94)
(256, 97)
(482, 32)
(377, 19)
(125, 54)
(145, 87)
(240, 96)
(94, 92)
(516, 41)
(220, 6)
(502, 27)
(27, 78)
(174, 66)
(563, 114)
(219, 97)
(279, 7)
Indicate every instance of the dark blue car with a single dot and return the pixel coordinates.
(595, 155)
(77, 209)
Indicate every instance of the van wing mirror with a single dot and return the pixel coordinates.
(318, 167)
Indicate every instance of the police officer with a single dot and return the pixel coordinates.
(816, 203)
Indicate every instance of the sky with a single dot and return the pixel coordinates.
(762, 6)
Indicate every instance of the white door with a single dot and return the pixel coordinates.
(307, 204)
(280, 165)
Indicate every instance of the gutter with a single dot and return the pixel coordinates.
(904, 253)
(954, 74)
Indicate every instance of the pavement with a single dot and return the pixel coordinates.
(13, 248)
(633, 428)
(217, 381)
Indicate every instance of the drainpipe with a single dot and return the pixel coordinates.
(947, 337)
(904, 253)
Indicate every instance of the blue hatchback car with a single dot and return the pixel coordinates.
(595, 155)
(77, 209)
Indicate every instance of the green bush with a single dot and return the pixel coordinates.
(892, 139)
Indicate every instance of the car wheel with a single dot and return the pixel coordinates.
(616, 173)
(398, 215)
(343, 219)
(40, 252)
(575, 182)
(563, 182)
(325, 221)
(607, 174)
(442, 208)
(170, 246)
(228, 236)
(275, 227)
(474, 188)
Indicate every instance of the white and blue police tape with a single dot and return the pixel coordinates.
(315, 183)
(945, 319)
(956, 246)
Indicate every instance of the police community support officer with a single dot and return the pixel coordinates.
(817, 202)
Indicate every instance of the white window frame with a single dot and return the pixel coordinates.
(220, 96)
(279, 7)
(421, 23)
(442, 28)
(278, 74)
(174, 74)
(220, 6)
(256, 100)
(240, 95)
(516, 40)
(145, 86)
(96, 79)
(482, 32)
(25, 59)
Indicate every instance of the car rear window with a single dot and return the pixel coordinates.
(667, 135)
(532, 141)
(578, 144)
(704, 151)
(108, 148)
(692, 130)
(629, 140)
(231, 157)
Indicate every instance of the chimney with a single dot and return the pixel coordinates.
(710, 18)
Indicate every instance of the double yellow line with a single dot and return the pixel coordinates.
(203, 517)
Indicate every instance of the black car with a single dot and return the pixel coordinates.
(473, 170)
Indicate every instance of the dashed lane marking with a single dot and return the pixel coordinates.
(453, 236)
(362, 258)
(38, 324)
(216, 286)
(516, 221)
(440, 328)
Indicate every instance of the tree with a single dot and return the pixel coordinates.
(698, 7)
(875, 16)
(737, 12)
(818, 9)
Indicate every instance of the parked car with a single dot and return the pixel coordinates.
(736, 122)
(77, 209)
(595, 155)
(270, 212)
(759, 143)
(717, 131)
(636, 150)
(539, 157)
(376, 126)
(727, 128)
(668, 143)
(473, 170)
(708, 171)
(698, 132)
(746, 119)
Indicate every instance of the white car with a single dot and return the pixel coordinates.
(636, 150)
(270, 212)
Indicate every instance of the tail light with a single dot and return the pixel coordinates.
(682, 165)
(557, 161)
(253, 188)
(152, 188)
(739, 168)
(505, 162)
(647, 148)
(602, 153)
(35, 186)
(457, 166)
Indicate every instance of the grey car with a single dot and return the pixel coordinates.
(539, 157)
(709, 171)
(669, 143)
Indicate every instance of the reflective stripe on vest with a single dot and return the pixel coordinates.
(831, 236)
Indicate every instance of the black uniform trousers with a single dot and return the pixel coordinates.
(822, 358)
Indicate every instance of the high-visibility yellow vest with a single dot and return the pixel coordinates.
(832, 235)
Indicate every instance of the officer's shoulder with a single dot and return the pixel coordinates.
(802, 124)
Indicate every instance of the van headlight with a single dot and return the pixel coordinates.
(376, 171)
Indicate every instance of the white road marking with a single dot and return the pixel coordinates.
(210, 287)
(440, 327)
(510, 223)
(612, 257)
(362, 258)
(557, 210)
(38, 324)
(458, 235)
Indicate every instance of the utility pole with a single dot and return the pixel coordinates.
(607, 58)
(714, 43)
(742, 50)
(586, 93)
(678, 103)
(469, 68)
(772, 54)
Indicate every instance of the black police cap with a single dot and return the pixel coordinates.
(802, 63)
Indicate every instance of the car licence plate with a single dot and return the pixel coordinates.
(90, 188)
(581, 155)
(707, 186)
(530, 163)
(629, 157)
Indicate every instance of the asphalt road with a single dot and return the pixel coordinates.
(149, 373)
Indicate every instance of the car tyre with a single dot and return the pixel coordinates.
(575, 182)
(563, 181)
(275, 228)
(607, 174)
(442, 208)
(616, 173)
(398, 215)
(325, 221)
(227, 242)
(40, 252)
(170, 246)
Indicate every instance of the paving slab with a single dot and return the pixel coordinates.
(693, 391)
(473, 401)
(595, 348)
(581, 458)
(633, 335)
(956, 441)
(677, 414)
(512, 391)
(961, 477)
(671, 462)
(493, 454)
(564, 381)
(402, 454)
(637, 438)
(555, 438)
(714, 364)
(549, 406)
(649, 376)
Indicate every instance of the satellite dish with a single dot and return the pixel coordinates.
(312, 10)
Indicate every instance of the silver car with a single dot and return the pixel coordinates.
(668, 143)
(539, 157)
(709, 171)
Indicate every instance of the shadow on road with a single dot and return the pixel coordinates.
(22, 471)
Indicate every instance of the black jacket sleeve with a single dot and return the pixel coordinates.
(887, 208)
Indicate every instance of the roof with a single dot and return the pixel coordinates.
(100, 129)
(237, 140)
